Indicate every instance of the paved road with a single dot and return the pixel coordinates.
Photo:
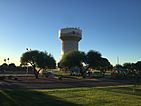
(55, 83)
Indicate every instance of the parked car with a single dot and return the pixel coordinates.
(119, 73)
(50, 75)
(95, 74)
(75, 71)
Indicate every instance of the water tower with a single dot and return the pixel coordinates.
(70, 38)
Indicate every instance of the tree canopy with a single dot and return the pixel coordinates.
(38, 59)
(72, 59)
(129, 66)
(93, 59)
(138, 66)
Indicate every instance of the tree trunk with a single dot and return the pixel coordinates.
(35, 72)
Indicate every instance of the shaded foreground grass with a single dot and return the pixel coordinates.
(104, 96)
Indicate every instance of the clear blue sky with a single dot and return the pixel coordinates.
(112, 27)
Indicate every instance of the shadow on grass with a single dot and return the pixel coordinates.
(30, 98)
(130, 90)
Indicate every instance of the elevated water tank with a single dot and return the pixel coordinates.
(70, 38)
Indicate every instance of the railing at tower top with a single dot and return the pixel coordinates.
(71, 33)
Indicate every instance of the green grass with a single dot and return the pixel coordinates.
(101, 96)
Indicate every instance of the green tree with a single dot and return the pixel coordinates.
(4, 65)
(93, 59)
(105, 64)
(38, 60)
(118, 66)
(72, 59)
(129, 66)
(12, 65)
(96, 61)
(138, 66)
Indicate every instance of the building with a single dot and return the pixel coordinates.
(70, 38)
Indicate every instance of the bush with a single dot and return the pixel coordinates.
(2, 77)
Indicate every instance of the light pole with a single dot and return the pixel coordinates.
(8, 60)
(27, 49)
(5, 60)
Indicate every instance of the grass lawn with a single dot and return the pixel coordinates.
(100, 96)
